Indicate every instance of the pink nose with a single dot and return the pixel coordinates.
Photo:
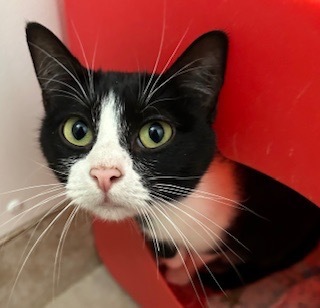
(105, 177)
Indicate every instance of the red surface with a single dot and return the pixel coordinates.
(269, 110)
(127, 258)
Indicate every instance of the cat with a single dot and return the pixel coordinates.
(141, 145)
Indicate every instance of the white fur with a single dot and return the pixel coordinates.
(128, 193)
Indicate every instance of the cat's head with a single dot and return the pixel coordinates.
(118, 139)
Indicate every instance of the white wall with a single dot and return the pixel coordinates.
(21, 107)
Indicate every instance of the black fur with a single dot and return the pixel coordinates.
(290, 227)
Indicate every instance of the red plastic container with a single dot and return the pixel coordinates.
(269, 108)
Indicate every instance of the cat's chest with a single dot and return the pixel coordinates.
(199, 221)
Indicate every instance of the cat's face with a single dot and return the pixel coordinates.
(118, 139)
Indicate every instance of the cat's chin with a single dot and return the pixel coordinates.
(111, 213)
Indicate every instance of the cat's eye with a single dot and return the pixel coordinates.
(77, 132)
(154, 134)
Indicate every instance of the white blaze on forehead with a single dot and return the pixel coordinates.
(107, 150)
(109, 124)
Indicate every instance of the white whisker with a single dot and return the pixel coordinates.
(159, 54)
(185, 69)
(89, 71)
(20, 215)
(76, 95)
(57, 260)
(213, 222)
(203, 194)
(64, 67)
(178, 251)
(152, 178)
(154, 237)
(50, 211)
(32, 249)
(208, 231)
(166, 65)
(52, 169)
(160, 209)
(30, 187)
(187, 244)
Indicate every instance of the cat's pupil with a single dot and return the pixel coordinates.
(79, 130)
(156, 132)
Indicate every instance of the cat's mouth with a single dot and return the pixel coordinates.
(107, 201)
(109, 204)
(108, 208)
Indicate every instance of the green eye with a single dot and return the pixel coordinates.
(155, 134)
(77, 132)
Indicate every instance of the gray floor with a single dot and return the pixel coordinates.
(97, 290)
(83, 281)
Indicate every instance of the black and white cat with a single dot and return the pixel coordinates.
(141, 145)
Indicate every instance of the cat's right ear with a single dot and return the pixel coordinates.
(55, 66)
(199, 71)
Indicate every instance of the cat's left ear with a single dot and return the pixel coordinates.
(55, 66)
(199, 71)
